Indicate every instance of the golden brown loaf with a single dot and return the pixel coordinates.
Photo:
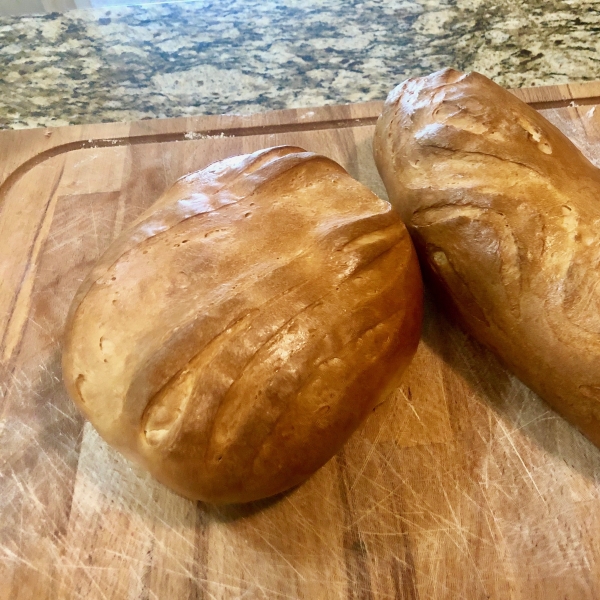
(505, 214)
(232, 339)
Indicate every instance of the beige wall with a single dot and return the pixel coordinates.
(21, 7)
(62, 5)
(100, 3)
(31, 7)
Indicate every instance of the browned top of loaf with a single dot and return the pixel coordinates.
(450, 126)
(266, 276)
(506, 213)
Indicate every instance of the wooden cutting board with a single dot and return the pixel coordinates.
(462, 485)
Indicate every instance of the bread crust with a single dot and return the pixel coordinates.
(236, 334)
(504, 211)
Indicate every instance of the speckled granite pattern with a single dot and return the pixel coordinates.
(212, 57)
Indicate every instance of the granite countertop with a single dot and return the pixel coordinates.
(241, 56)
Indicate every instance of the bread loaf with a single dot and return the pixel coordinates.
(505, 214)
(233, 338)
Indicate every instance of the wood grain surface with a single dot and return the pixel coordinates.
(461, 485)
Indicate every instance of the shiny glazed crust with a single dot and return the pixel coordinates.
(505, 214)
(233, 338)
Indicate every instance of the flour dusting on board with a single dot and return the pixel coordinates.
(193, 135)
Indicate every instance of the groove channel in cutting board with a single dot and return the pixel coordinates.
(462, 484)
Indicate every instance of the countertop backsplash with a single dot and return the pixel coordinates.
(243, 56)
